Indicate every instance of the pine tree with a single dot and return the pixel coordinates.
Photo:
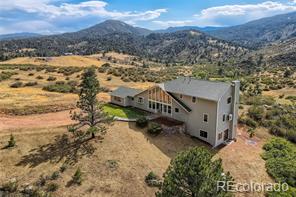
(194, 173)
(92, 114)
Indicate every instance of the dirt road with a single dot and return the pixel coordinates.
(35, 121)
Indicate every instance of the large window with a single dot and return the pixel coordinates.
(169, 109)
(203, 134)
(158, 95)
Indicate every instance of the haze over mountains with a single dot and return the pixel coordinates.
(176, 44)
(18, 36)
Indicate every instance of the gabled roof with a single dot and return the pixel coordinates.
(209, 90)
(125, 92)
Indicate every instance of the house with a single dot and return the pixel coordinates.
(208, 109)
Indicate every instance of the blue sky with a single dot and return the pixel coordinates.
(57, 16)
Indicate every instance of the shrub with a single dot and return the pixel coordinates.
(41, 181)
(63, 167)
(31, 83)
(52, 187)
(152, 180)
(55, 175)
(11, 142)
(16, 85)
(31, 74)
(39, 77)
(62, 88)
(77, 177)
(10, 186)
(72, 83)
(6, 75)
(280, 160)
(109, 78)
(51, 78)
(251, 123)
(251, 132)
(256, 112)
(142, 122)
(154, 128)
(60, 82)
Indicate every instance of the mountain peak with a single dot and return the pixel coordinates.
(115, 26)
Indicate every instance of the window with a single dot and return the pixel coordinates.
(118, 99)
(193, 99)
(132, 98)
(165, 108)
(181, 96)
(169, 109)
(224, 117)
(150, 105)
(153, 105)
(203, 134)
(229, 100)
(220, 136)
(157, 105)
(205, 117)
(140, 100)
(176, 110)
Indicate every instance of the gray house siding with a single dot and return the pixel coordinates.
(213, 102)
(144, 104)
(223, 109)
(194, 119)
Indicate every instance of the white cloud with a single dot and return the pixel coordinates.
(232, 14)
(87, 8)
(173, 23)
(245, 12)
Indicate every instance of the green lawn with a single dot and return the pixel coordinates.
(123, 112)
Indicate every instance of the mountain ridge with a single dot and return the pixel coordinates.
(259, 33)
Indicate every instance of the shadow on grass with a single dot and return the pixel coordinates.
(62, 149)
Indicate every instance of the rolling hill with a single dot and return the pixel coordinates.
(259, 33)
(188, 46)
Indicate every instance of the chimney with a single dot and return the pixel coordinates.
(234, 105)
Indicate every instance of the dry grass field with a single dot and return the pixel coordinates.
(73, 60)
(35, 99)
(114, 166)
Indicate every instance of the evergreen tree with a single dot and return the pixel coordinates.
(194, 173)
(92, 114)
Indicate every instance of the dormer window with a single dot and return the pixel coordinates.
(181, 96)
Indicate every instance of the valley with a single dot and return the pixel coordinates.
(44, 81)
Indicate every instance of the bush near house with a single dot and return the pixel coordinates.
(142, 122)
(154, 128)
